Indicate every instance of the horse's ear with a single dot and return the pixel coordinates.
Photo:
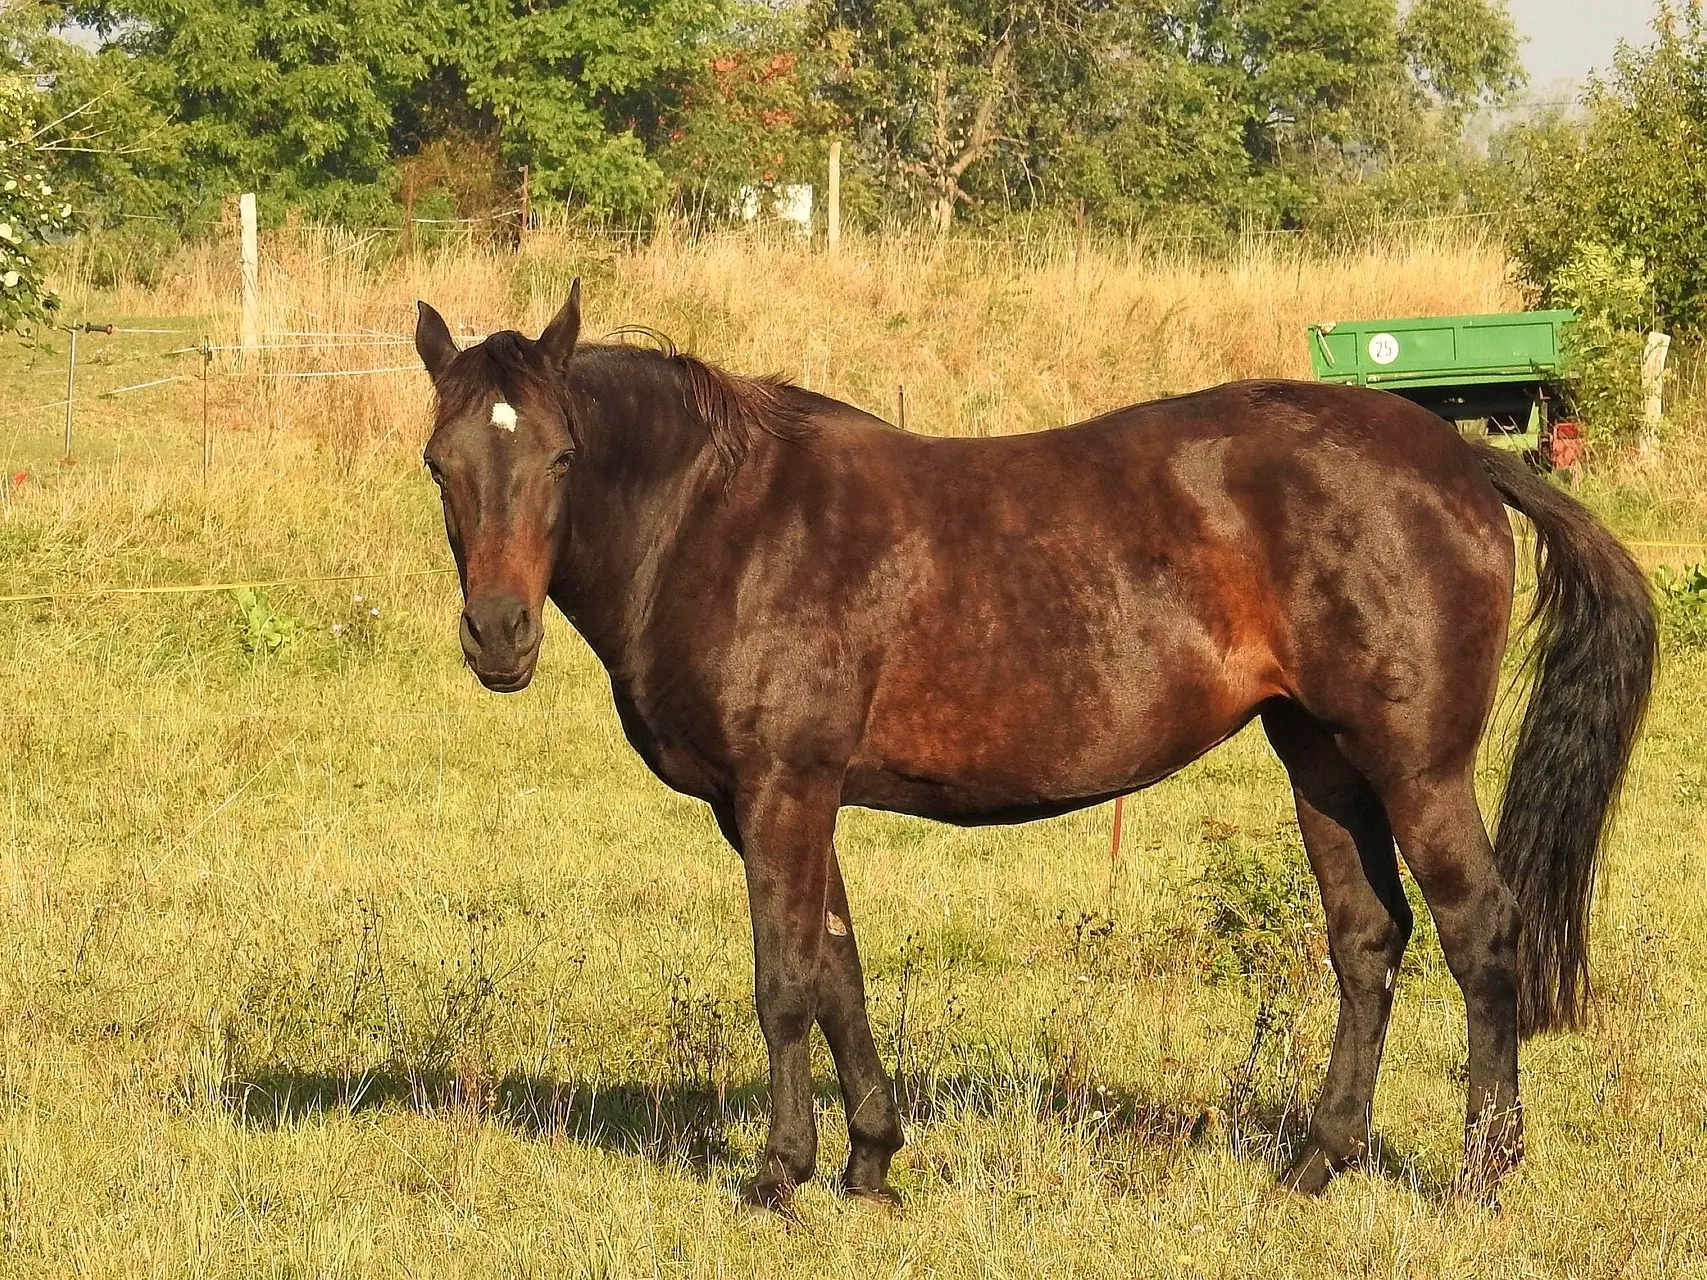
(558, 340)
(433, 342)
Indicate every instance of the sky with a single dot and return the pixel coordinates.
(1568, 38)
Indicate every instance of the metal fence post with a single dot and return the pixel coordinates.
(70, 392)
(207, 434)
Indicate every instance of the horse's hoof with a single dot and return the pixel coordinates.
(1479, 1183)
(1310, 1173)
(883, 1196)
(771, 1194)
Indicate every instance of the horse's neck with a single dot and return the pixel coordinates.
(627, 510)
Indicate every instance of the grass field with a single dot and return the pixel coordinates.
(328, 963)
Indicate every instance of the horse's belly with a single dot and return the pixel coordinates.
(972, 740)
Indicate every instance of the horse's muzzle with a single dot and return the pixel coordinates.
(500, 640)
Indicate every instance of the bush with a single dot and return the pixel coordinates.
(1613, 299)
(1260, 900)
(261, 628)
(1683, 606)
(1631, 176)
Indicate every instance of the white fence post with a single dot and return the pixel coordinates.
(251, 274)
(1653, 388)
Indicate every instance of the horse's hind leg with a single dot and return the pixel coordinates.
(1350, 846)
(1441, 834)
(874, 1124)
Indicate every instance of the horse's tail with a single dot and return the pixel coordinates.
(1593, 662)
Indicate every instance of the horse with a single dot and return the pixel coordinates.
(802, 607)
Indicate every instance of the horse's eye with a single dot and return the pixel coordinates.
(433, 471)
(560, 464)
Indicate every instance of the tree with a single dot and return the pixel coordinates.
(1265, 111)
(293, 100)
(312, 102)
(750, 115)
(1230, 111)
(31, 210)
(1216, 113)
(1462, 52)
(1631, 177)
(935, 88)
(579, 88)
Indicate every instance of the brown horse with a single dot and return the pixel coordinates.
(801, 607)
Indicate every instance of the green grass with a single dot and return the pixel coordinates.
(331, 964)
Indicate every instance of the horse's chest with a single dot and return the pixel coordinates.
(664, 738)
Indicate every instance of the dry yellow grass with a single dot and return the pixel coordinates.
(985, 338)
(330, 964)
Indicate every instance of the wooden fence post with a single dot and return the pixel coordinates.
(522, 227)
(833, 212)
(1653, 388)
(408, 244)
(251, 274)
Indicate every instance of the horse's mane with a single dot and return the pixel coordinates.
(733, 408)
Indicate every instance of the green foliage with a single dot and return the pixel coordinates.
(261, 628)
(1612, 296)
(580, 91)
(1215, 114)
(750, 116)
(1632, 176)
(311, 104)
(1464, 52)
(936, 90)
(31, 212)
(1683, 606)
(1230, 113)
(1260, 904)
(291, 100)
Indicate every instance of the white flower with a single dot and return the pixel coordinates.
(46, 190)
(11, 184)
(337, 628)
(374, 612)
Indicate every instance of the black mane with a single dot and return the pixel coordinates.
(734, 409)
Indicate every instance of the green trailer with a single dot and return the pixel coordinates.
(1501, 370)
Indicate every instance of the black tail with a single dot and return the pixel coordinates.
(1593, 661)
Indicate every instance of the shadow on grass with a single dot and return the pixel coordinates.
(671, 1126)
(689, 1127)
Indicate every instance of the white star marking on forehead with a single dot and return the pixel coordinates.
(504, 416)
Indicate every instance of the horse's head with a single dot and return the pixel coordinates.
(500, 452)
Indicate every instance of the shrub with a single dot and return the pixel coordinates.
(1613, 298)
(1683, 605)
(1261, 906)
(1631, 174)
(261, 628)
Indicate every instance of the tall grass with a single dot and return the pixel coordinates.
(983, 338)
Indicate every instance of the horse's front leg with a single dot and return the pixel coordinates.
(874, 1122)
(786, 821)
